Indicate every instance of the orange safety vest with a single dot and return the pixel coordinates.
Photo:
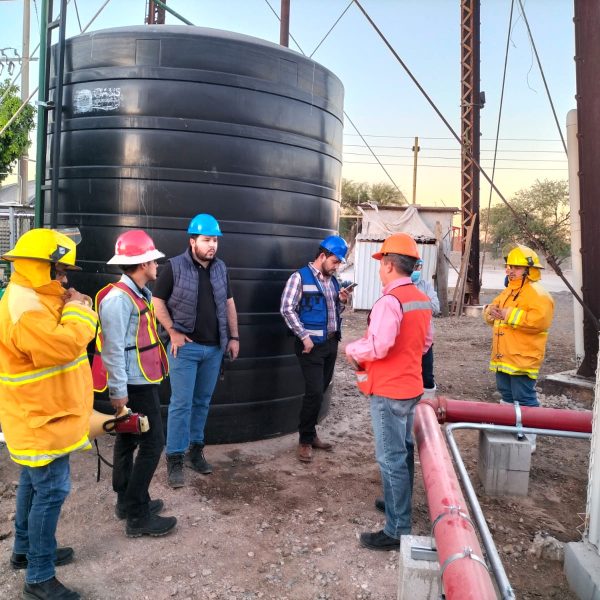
(151, 354)
(399, 374)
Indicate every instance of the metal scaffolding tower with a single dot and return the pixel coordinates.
(470, 105)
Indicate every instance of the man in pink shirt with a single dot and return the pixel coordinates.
(387, 360)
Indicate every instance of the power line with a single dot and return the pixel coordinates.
(454, 149)
(539, 169)
(487, 225)
(542, 160)
(332, 28)
(543, 76)
(412, 137)
(345, 113)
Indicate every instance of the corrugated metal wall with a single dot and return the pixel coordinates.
(366, 270)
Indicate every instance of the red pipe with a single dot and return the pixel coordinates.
(464, 578)
(458, 411)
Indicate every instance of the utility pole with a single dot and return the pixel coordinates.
(587, 46)
(415, 153)
(470, 104)
(284, 27)
(155, 14)
(24, 160)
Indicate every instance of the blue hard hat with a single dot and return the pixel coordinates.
(204, 225)
(336, 245)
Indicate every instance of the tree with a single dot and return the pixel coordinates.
(355, 193)
(14, 142)
(544, 207)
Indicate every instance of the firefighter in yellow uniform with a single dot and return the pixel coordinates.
(521, 316)
(45, 398)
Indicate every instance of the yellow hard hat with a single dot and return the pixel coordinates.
(46, 245)
(522, 256)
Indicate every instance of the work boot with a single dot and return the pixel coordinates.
(52, 589)
(379, 541)
(175, 470)
(195, 459)
(321, 445)
(305, 453)
(154, 506)
(62, 557)
(152, 525)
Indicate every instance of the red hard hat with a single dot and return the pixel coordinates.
(134, 247)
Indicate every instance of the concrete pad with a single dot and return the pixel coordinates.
(504, 464)
(582, 569)
(568, 383)
(417, 579)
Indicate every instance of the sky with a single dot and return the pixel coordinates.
(380, 98)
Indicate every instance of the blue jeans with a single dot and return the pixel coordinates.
(40, 496)
(193, 374)
(517, 388)
(394, 449)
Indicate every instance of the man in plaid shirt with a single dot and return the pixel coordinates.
(311, 305)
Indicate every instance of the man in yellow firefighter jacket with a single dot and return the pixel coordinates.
(521, 316)
(131, 363)
(45, 398)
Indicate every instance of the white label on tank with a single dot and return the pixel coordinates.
(103, 99)
(82, 101)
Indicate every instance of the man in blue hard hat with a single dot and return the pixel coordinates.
(194, 303)
(311, 305)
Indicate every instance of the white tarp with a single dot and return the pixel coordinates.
(378, 225)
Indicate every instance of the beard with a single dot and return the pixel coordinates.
(201, 256)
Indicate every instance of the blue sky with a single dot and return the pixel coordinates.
(380, 98)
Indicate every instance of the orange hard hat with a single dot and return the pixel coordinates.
(398, 243)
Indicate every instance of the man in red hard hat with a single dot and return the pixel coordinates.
(131, 362)
(388, 364)
(311, 305)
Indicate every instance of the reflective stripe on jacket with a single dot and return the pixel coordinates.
(45, 380)
(312, 310)
(399, 375)
(519, 341)
(150, 353)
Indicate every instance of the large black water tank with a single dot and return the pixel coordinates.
(163, 122)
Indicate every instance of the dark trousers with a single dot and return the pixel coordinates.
(427, 366)
(317, 370)
(131, 478)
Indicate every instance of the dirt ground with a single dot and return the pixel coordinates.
(264, 525)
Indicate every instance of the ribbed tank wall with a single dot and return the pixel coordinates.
(161, 123)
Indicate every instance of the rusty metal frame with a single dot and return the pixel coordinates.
(155, 14)
(469, 109)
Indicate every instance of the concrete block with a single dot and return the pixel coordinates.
(582, 569)
(418, 579)
(504, 464)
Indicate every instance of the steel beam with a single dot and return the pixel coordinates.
(469, 108)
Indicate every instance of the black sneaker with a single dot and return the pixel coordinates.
(380, 505)
(155, 507)
(62, 557)
(152, 525)
(379, 541)
(195, 459)
(175, 477)
(52, 589)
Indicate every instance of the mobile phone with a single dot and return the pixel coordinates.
(350, 286)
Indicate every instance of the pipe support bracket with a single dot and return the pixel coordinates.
(466, 553)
